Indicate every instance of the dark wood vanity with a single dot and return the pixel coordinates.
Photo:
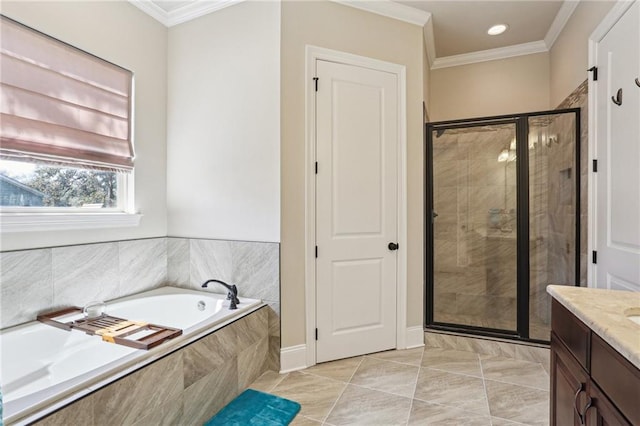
(591, 383)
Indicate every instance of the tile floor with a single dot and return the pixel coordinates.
(430, 386)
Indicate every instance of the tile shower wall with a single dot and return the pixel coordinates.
(561, 201)
(538, 235)
(579, 99)
(552, 225)
(552, 183)
(33, 281)
(253, 266)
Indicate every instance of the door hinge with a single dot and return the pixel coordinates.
(595, 166)
(315, 79)
(316, 167)
(316, 252)
(594, 257)
(316, 334)
(594, 70)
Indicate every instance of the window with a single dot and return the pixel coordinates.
(37, 185)
(65, 132)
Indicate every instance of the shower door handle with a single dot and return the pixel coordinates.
(433, 215)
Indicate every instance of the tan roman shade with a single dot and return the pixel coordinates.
(61, 105)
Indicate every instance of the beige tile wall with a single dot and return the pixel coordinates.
(33, 281)
(579, 99)
(253, 266)
(186, 387)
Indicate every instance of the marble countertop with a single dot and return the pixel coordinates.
(605, 312)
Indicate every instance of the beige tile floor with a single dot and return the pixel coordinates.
(429, 386)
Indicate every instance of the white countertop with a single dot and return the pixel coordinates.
(605, 312)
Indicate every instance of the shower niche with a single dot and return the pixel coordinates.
(502, 203)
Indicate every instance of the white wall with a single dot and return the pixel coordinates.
(122, 34)
(224, 125)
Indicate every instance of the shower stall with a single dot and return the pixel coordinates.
(502, 221)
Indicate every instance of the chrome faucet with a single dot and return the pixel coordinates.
(232, 294)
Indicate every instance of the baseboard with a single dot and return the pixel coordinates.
(293, 358)
(415, 337)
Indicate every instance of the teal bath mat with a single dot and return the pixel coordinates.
(256, 408)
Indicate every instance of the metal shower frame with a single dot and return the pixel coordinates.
(521, 122)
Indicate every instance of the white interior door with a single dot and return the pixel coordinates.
(618, 153)
(356, 210)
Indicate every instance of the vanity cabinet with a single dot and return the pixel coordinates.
(568, 386)
(602, 411)
(591, 383)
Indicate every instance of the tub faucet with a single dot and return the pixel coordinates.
(232, 294)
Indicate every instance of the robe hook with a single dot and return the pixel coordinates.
(618, 98)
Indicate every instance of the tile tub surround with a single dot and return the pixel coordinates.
(32, 281)
(417, 387)
(253, 266)
(604, 311)
(186, 387)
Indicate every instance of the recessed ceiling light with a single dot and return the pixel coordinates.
(497, 29)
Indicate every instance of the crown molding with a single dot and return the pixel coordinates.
(153, 10)
(390, 9)
(561, 19)
(182, 14)
(197, 9)
(429, 41)
(490, 54)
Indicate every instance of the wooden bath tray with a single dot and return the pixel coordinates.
(113, 329)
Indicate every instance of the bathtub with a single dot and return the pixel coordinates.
(43, 368)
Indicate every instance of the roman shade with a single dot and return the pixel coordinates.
(61, 105)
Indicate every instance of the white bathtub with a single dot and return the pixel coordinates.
(43, 368)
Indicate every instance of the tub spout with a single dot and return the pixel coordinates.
(232, 294)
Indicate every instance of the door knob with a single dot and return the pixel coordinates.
(393, 246)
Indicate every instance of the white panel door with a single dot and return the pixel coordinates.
(618, 153)
(356, 210)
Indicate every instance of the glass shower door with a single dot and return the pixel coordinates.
(474, 230)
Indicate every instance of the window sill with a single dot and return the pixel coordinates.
(31, 222)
